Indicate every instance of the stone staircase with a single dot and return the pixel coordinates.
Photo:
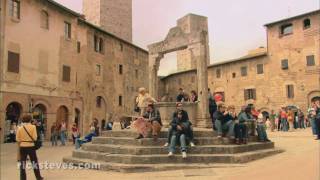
(119, 151)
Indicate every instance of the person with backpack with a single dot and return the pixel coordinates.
(26, 138)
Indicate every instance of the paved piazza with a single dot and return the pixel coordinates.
(300, 161)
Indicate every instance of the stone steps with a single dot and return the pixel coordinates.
(134, 168)
(149, 150)
(120, 151)
(163, 133)
(164, 159)
(160, 141)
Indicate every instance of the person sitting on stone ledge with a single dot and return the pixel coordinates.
(180, 128)
(87, 138)
(240, 127)
(190, 130)
(151, 122)
(223, 121)
(181, 96)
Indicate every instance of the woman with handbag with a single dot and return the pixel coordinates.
(26, 138)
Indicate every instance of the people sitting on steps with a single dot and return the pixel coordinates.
(240, 127)
(180, 126)
(179, 108)
(223, 122)
(152, 121)
(94, 132)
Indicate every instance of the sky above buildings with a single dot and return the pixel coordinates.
(235, 26)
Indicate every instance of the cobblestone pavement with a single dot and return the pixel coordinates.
(299, 162)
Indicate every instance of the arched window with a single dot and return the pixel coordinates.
(306, 23)
(44, 19)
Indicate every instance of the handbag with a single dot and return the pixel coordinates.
(37, 143)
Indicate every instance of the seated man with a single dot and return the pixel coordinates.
(152, 122)
(87, 138)
(190, 130)
(180, 128)
(241, 126)
(223, 121)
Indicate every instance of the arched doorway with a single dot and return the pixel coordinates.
(265, 115)
(13, 112)
(100, 109)
(13, 115)
(62, 115)
(316, 98)
(40, 114)
(77, 117)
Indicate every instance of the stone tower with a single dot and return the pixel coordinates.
(190, 23)
(114, 16)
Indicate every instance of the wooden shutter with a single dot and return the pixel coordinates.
(13, 62)
(66, 73)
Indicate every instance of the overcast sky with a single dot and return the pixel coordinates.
(235, 26)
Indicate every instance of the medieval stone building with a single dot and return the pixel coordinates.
(286, 73)
(58, 66)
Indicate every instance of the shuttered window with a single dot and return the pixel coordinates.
(259, 68)
(13, 62)
(250, 94)
(290, 91)
(66, 70)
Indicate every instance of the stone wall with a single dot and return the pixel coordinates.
(43, 52)
(113, 16)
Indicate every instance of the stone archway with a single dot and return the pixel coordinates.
(190, 35)
(100, 109)
(13, 115)
(40, 114)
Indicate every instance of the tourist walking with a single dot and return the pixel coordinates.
(74, 132)
(54, 134)
(63, 133)
(317, 118)
(290, 119)
(261, 128)
(312, 118)
(26, 137)
(283, 121)
(301, 119)
(272, 118)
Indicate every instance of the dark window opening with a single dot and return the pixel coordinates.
(260, 69)
(244, 71)
(290, 91)
(120, 100)
(13, 62)
(233, 75)
(98, 44)
(306, 23)
(67, 30)
(218, 73)
(120, 69)
(137, 73)
(310, 60)
(66, 70)
(250, 94)
(14, 8)
(98, 101)
(78, 47)
(286, 29)
(284, 64)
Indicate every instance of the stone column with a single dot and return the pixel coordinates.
(154, 63)
(199, 51)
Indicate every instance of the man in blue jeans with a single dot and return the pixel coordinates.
(180, 127)
(223, 121)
